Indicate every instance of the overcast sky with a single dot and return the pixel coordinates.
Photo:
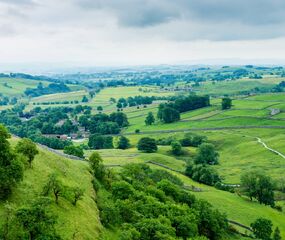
(133, 32)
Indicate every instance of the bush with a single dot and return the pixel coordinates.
(73, 150)
(147, 145)
(176, 148)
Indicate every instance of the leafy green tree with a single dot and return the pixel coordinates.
(176, 148)
(276, 234)
(84, 99)
(74, 150)
(122, 190)
(77, 194)
(147, 145)
(168, 114)
(123, 143)
(226, 103)
(149, 119)
(84, 121)
(37, 221)
(28, 148)
(96, 164)
(99, 108)
(11, 168)
(257, 185)
(202, 173)
(262, 228)
(206, 154)
(54, 186)
(120, 118)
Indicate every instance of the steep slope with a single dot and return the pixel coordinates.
(74, 222)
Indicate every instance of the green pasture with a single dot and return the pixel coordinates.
(233, 87)
(17, 86)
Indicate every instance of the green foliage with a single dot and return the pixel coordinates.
(123, 143)
(147, 145)
(96, 165)
(11, 168)
(276, 234)
(28, 148)
(122, 190)
(84, 99)
(206, 154)
(262, 228)
(257, 185)
(193, 140)
(77, 194)
(54, 186)
(37, 221)
(146, 206)
(97, 141)
(167, 114)
(203, 174)
(149, 119)
(226, 103)
(74, 150)
(176, 148)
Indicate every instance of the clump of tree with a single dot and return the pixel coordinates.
(51, 88)
(206, 154)
(28, 148)
(97, 141)
(192, 140)
(226, 103)
(176, 148)
(203, 174)
(147, 145)
(11, 167)
(149, 119)
(74, 150)
(257, 185)
(123, 143)
(150, 204)
(262, 229)
(167, 113)
(35, 221)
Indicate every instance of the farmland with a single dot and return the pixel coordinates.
(248, 136)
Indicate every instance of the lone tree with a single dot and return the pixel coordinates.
(257, 185)
(262, 228)
(226, 103)
(53, 185)
(28, 148)
(100, 108)
(11, 168)
(149, 119)
(176, 148)
(276, 234)
(206, 154)
(147, 145)
(77, 194)
(123, 143)
(84, 99)
(96, 165)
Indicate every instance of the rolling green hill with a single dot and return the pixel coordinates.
(82, 220)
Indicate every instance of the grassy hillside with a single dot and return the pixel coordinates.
(82, 219)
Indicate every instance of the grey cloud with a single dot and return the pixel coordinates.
(151, 12)
(18, 2)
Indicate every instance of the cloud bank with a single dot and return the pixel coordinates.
(140, 31)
